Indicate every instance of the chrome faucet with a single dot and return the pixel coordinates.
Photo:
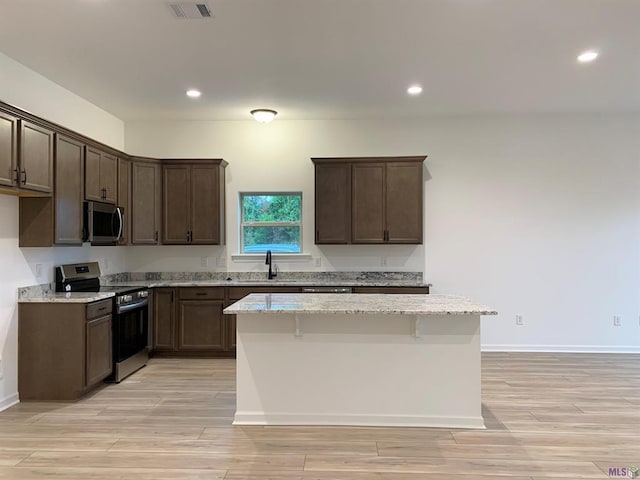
(271, 275)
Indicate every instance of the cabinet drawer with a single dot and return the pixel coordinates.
(236, 293)
(201, 293)
(99, 309)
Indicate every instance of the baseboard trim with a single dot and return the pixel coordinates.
(260, 418)
(9, 401)
(562, 348)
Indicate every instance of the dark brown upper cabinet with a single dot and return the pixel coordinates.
(368, 200)
(35, 158)
(57, 219)
(124, 197)
(193, 202)
(145, 202)
(8, 150)
(101, 176)
(68, 191)
(333, 202)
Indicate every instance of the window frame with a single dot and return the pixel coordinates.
(243, 224)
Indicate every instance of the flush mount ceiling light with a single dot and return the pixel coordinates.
(193, 93)
(414, 90)
(263, 115)
(588, 56)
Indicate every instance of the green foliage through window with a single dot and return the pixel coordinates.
(271, 221)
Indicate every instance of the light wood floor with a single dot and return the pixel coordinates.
(549, 416)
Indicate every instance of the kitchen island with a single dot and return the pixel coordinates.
(358, 359)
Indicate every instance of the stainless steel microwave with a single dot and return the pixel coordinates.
(103, 223)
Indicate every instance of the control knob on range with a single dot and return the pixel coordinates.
(126, 298)
(143, 294)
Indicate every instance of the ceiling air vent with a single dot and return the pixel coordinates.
(191, 10)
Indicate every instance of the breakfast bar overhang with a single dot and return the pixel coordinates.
(358, 359)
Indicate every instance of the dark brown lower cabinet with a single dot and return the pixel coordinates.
(99, 353)
(164, 323)
(189, 322)
(64, 349)
(201, 325)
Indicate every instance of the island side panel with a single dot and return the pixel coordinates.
(366, 370)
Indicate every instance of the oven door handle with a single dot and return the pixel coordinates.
(132, 306)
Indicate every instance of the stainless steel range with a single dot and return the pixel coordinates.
(130, 315)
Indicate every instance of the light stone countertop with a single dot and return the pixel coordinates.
(44, 293)
(69, 297)
(269, 283)
(329, 303)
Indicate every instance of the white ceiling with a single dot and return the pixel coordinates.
(312, 59)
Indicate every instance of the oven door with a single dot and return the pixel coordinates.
(130, 330)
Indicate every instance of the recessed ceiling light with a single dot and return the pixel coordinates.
(588, 56)
(193, 93)
(414, 90)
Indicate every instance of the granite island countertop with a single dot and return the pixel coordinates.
(363, 303)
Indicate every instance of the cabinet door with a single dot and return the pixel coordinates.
(124, 197)
(404, 202)
(333, 203)
(368, 205)
(164, 325)
(205, 204)
(109, 178)
(8, 150)
(145, 198)
(201, 325)
(69, 164)
(98, 350)
(175, 204)
(36, 158)
(92, 188)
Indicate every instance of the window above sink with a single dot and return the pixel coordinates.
(270, 221)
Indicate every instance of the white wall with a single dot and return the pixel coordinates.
(30, 91)
(272, 157)
(533, 215)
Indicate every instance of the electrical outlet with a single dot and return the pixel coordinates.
(222, 261)
(107, 265)
(1, 370)
(204, 262)
(519, 320)
(617, 320)
(383, 261)
(317, 262)
(38, 270)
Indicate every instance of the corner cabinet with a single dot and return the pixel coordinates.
(369, 200)
(145, 202)
(193, 193)
(189, 321)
